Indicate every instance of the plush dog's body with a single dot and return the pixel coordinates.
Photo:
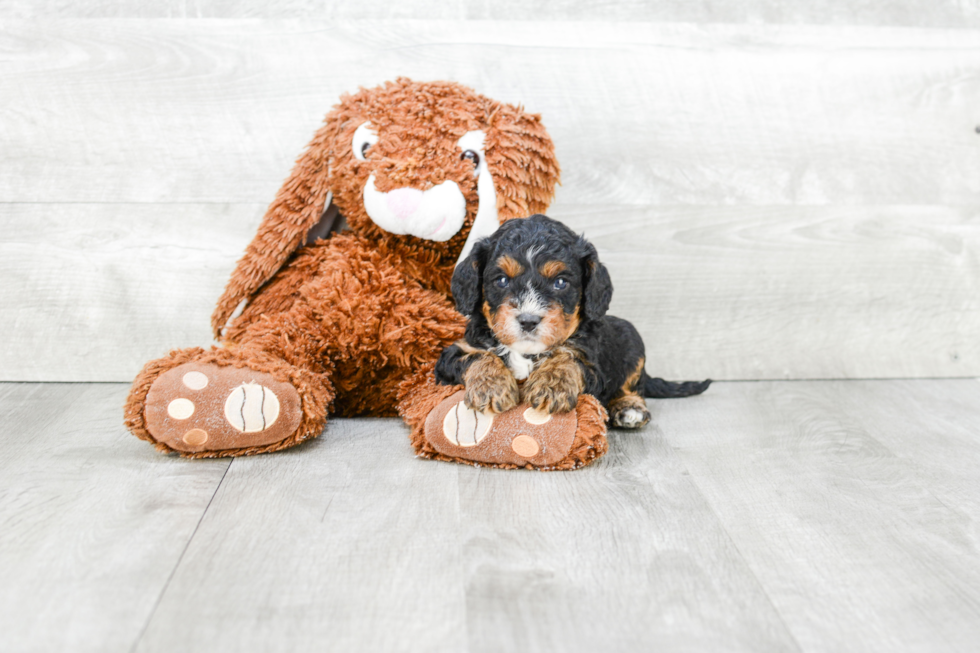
(536, 296)
(318, 322)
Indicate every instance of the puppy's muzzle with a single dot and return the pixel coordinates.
(528, 322)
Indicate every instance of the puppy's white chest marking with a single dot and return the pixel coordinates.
(520, 366)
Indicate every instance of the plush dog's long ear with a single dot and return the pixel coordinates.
(598, 285)
(297, 209)
(521, 157)
(467, 284)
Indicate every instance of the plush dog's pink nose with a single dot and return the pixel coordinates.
(404, 201)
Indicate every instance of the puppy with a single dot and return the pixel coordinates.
(536, 297)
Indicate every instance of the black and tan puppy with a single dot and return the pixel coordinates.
(536, 297)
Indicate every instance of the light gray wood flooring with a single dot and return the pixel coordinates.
(761, 516)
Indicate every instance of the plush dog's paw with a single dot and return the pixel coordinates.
(198, 407)
(520, 437)
(490, 387)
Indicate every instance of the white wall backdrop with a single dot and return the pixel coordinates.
(782, 190)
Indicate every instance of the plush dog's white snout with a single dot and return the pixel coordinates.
(434, 214)
(403, 201)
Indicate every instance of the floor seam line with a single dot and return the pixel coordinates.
(173, 572)
(741, 556)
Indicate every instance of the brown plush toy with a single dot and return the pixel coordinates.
(317, 320)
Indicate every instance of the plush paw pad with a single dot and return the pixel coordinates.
(206, 407)
(251, 407)
(465, 427)
(520, 436)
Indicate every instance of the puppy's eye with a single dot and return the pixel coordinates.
(560, 284)
(472, 156)
(501, 282)
(364, 138)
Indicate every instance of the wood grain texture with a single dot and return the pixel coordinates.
(721, 292)
(92, 521)
(771, 516)
(856, 542)
(347, 543)
(217, 110)
(924, 425)
(622, 556)
(777, 292)
(91, 292)
(912, 13)
(774, 201)
(350, 543)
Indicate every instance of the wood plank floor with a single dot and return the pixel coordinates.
(762, 516)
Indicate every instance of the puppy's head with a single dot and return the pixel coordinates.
(534, 282)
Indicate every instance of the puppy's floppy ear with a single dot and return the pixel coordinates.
(598, 289)
(467, 284)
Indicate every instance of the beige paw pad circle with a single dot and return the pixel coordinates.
(251, 408)
(465, 427)
(180, 408)
(196, 437)
(525, 446)
(195, 380)
(534, 416)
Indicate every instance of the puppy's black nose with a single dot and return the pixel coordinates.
(528, 321)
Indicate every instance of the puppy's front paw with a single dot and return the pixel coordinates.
(490, 387)
(554, 386)
(541, 394)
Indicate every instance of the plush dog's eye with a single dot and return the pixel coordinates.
(472, 156)
(502, 281)
(560, 284)
(364, 137)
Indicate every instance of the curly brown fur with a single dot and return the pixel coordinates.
(364, 310)
(409, 117)
(536, 295)
(556, 382)
(490, 387)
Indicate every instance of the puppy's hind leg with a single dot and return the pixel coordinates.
(629, 411)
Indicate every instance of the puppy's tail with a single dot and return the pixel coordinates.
(655, 388)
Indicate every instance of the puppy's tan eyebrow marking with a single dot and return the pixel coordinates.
(510, 266)
(551, 268)
(468, 348)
